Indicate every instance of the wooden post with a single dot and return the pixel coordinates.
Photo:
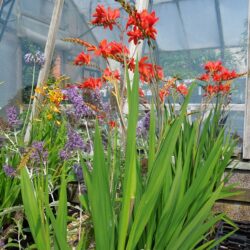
(246, 137)
(48, 53)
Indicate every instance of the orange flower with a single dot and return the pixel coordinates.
(105, 17)
(91, 83)
(82, 59)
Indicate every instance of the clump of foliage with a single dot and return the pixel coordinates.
(146, 175)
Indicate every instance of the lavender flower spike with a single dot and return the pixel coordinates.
(81, 109)
(9, 170)
(40, 154)
(12, 116)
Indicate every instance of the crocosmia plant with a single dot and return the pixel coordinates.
(125, 172)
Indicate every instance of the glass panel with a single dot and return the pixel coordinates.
(170, 30)
(235, 123)
(234, 21)
(200, 23)
(192, 34)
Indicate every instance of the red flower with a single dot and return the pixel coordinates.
(143, 23)
(103, 49)
(182, 88)
(210, 89)
(112, 124)
(91, 83)
(109, 75)
(213, 66)
(224, 75)
(226, 88)
(217, 73)
(131, 64)
(135, 35)
(149, 71)
(82, 59)
(204, 77)
(105, 17)
(148, 20)
(141, 93)
(111, 49)
(163, 93)
(118, 48)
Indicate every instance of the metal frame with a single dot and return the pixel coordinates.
(5, 5)
(246, 136)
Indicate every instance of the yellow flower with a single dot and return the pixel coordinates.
(49, 116)
(54, 109)
(56, 96)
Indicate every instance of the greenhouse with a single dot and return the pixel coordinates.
(124, 124)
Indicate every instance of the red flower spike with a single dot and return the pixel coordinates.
(105, 17)
(82, 59)
(91, 83)
(182, 89)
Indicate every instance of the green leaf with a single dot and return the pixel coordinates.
(129, 183)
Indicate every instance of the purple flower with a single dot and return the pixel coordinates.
(64, 154)
(81, 109)
(78, 172)
(40, 154)
(74, 142)
(12, 116)
(37, 58)
(143, 125)
(9, 170)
